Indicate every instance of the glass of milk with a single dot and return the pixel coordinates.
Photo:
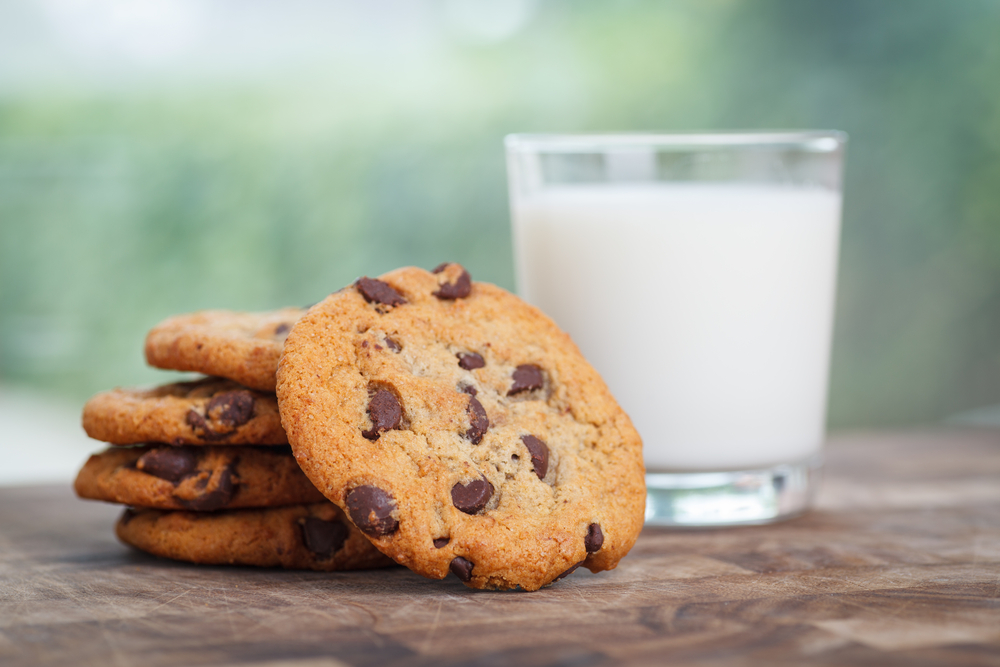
(697, 274)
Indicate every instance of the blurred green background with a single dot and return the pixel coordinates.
(162, 156)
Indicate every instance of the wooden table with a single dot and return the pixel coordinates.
(899, 564)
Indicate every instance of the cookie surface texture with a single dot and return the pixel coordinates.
(306, 537)
(204, 412)
(461, 430)
(196, 478)
(244, 347)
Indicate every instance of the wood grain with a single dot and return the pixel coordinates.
(899, 564)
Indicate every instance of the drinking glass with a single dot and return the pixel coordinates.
(697, 273)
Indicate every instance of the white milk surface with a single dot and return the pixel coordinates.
(706, 308)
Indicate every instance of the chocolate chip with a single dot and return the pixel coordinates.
(371, 510)
(440, 267)
(215, 499)
(539, 454)
(568, 572)
(478, 422)
(323, 538)
(468, 389)
(441, 542)
(461, 568)
(470, 361)
(170, 463)
(385, 412)
(472, 497)
(231, 408)
(527, 377)
(594, 539)
(392, 345)
(459, 289)
(202, 429)
(282, 329)
(376, 291)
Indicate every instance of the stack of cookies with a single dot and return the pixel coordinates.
(205, 466)
(456, 427)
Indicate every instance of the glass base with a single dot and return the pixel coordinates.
(742, 497)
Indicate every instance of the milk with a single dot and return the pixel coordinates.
(707, 308)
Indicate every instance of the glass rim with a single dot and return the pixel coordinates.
(812, 141)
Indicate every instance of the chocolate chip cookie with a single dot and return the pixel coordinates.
(196, 478)
(306, 537)
(244, 347)
(208, 411)
(461, 430)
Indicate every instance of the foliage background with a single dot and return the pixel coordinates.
(159, 157)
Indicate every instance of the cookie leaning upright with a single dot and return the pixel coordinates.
(244, 347)
(461, 430)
